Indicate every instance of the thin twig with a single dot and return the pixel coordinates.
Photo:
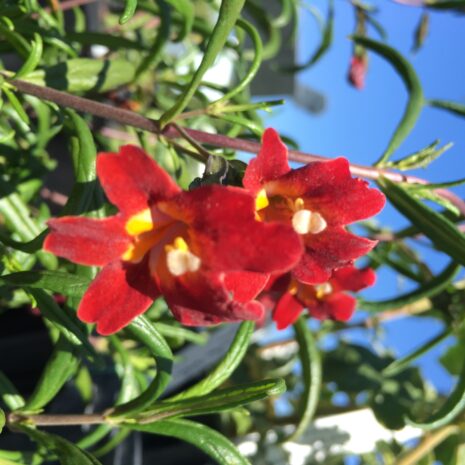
(216, 140)
(58, 420)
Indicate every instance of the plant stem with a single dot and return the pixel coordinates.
(58, 420)
(216, 140)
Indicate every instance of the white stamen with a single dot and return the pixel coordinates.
(306, 221)
(323, 289)
(182, 261)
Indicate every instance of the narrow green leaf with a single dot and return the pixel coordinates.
(420, 159)
(34, 57)
(452, 107)
(15, 103)
(9, 394)
(415, 101)
(84, 75)
(18, 219)
(180, 332)
(228, 15)
(445, 4)
(214, 444)
(128, 12)
(427, 290)
(254, 67)
(223, 399)
(163, 34)
(312, 376)
(55, 281)
(67, 452)
(325, 44)
(225, 368)
(403, 363)
(186, 10)
(452, 407)
(85, 190)
(2, 420)
(145, 332)
(29, 247)
(64, 320)
(442, 232)
(61, 365)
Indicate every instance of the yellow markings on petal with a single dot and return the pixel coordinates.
(293, 287)
(128, 255)
(179, 259)
(323, 289)
(140, 223)
(261, 201)
(305, 221)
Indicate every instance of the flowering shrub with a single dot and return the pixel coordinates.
(138, 252)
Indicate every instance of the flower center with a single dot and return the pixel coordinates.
(322, 290)
(305, 221)
(179, 259)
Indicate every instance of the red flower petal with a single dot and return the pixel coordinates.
(287, 311)
(329, 188)
(87, 241)
(353, 279)
(270, 163)
(119, 293)
(203, 298)
(225, 234)
(338, 306)
(132, 180)
(333, 248)
(245, 285)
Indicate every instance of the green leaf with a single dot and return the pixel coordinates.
(226, 367)
(64, 320)
(145, 332)
(445, 4)
(254, 67)
(312, 376)
(9, 394)
(452, 107)
(452, 407)
(429, 289)
(223, 399)
(415, 101)
(228, 14)
(420, 159)
(187, 11)
(128, 12)
(56, 281)
(442, 232)
(326, 41)
(2, 420)
(163, 34)
(67, 452)
(85, 190)
(209, 441)
(34, 57)
(402, 363)
(16, 104)
(61, 365)
(84, 75)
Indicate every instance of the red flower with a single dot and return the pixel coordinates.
(318, 200)
(324, 301)
(357, 71)
(202, 250)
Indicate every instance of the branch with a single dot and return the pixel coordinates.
(216, 140)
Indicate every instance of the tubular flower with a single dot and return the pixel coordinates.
(318, 200)
(323, 301)
(202, 250)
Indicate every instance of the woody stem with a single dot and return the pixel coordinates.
(133, 119)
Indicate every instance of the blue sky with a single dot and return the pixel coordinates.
(358, 126)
